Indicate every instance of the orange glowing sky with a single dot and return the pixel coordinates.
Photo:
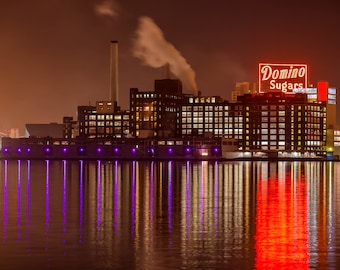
(54, 55)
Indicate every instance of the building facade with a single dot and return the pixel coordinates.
(285, 123)
(211, 117)
(102, 121)
(156, 113)
(242, 88)
(281, 114)
(290, 124)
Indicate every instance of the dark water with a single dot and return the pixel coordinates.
(169, 215)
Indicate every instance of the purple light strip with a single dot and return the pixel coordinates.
(188, 198)
(47, 199)
(133, 201)
(28, 216)
(151, 211)
(64, 199)
(19, 201)
(216, 198)
(116, 200)
(98, 194)
(81, 200)
(5, 221)
(170, 194)
(201, 210)
(170, 201)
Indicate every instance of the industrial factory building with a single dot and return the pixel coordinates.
(289, 124)
(157, 113)
(294, 120)
(282, 117)
(168, 123)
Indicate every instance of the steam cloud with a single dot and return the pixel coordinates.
(107, 8)
(151, 47)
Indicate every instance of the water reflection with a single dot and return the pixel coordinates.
(281, 220)
(151, 215)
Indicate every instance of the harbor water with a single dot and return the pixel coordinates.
(169, 215)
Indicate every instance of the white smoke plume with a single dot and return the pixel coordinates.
(151, 47)
(107, 8)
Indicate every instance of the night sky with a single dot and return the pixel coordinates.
(54, 55)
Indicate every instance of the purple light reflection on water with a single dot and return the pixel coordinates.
(133, 200)
(98, 194)
(237, 209)
(64, 199)
(47, 208)
(152, 178)
(81, 201)
(188, 197)
(170, 202)
(28, 216)
(5, 211)
(216, 198)
(170, 195)
(116, 199)
(19, 201)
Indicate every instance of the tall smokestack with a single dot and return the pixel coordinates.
(114, 72)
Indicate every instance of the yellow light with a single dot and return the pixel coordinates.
(329, 149)
(204, 152)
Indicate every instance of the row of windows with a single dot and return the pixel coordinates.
(215, 107)
(191, 118)
(155, 95)
(95, 117)
(106, 123)
(202, 100)
(284, 143)
(102, 130)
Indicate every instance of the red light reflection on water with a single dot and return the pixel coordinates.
(281, 224)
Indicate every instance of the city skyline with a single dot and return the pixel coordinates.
(55, 56)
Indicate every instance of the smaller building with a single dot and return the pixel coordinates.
(242, 88)
(70, 128)
(156, 113)
(53, 130)
(102, 121)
